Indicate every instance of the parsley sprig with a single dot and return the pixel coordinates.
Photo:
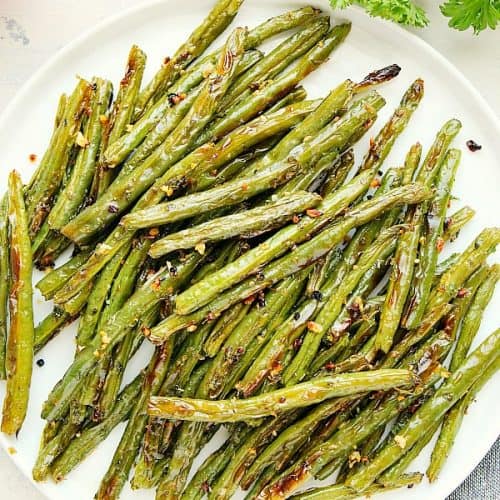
(463, 14)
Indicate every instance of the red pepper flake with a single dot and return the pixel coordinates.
(146, 331)
(463, 292)
(330, 366)
(249, 300)
(313, 212)
(313, 326)
(210, 316)
(156, 284)
(206, 487)
(295, 219)
(166, 60)
(473, 145)
(297, 343)
(154, 231)
(375, 183)
(244, 186)
(440, 244)
(32, 157)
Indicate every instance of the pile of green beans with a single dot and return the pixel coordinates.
(293, 296)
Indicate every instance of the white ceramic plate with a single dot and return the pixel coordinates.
(159, 28)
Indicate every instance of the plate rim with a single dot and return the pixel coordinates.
(398, 30)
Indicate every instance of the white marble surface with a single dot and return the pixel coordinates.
(33, 30)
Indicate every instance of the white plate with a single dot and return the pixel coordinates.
(158, 28)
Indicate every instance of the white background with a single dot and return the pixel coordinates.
(32, 30)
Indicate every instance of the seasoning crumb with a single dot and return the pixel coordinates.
(400, 441)
(81, 140)
(317, 295)
(200, 248)
(473, 145)
(295, 219)
(463, 292)
(375, 183)
(440, 244)
(354, 458)
(191, 328)
(168, 190)
(11, 450)
(40, 362)
(313, 326)
(296, 316)
(313, 212)
(32, 157)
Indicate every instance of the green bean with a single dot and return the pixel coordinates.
(58, 318)
(55, 279)
(227, 482)
(49, 452)
(277, 60)
(239, 343)
(41, 193)
(224, 327)
(212, 26)
(342, 492)
(257, 102)
(454, 388)
(4, 284)
(97, 299)
(19, 349)
(383, 246)
(157, 288)
(264, 479)
(90, 437)
(120, 116)
(152, 129)
(383, 142)
(203, 158)
(299, 258)
(128, 186)
(299, 94)
(73, 195)
(470, 260)
(214, 464)
(203, 291)
(247, 224)
(292, 438)
(456, 221)
(406, 253)
(428, 252)
(126, 452)
(452, 422)
(473, 317)
(336, 447)
(298, 396)
(227, 194)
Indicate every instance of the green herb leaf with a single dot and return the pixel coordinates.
(476, 14)
(400, 11)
